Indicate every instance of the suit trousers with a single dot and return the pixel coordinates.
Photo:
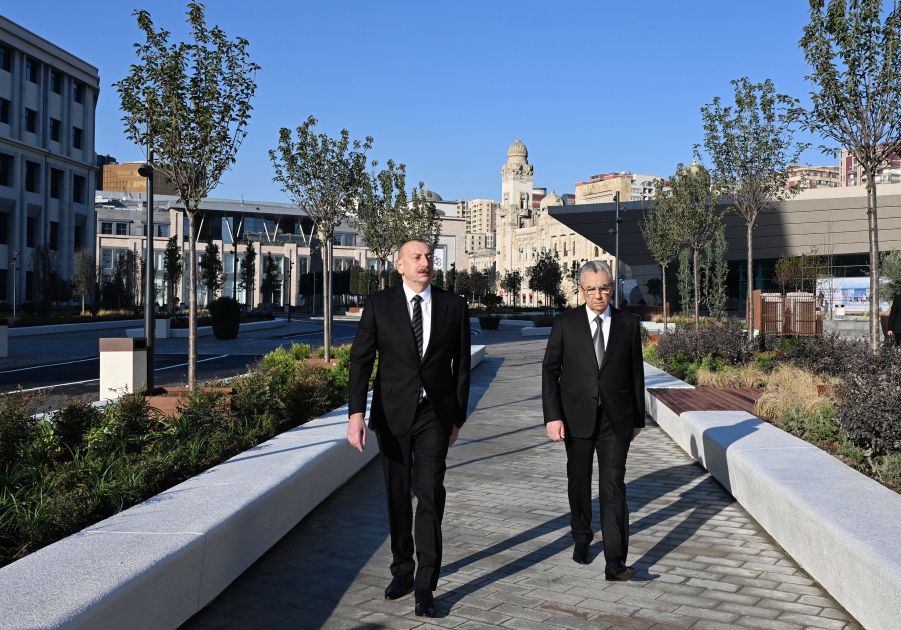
(611, 453)
(416, 461)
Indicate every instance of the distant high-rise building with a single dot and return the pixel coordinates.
(481, 225)
(807, 177)
(47, 160)
(889, 172)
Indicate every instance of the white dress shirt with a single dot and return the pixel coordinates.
(605, 323)
(426, 296)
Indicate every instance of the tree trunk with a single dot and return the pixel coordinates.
(192, 302)
(874, 260)
(697, 288)
(665, 310)
(383, 277)
(82, 304)
(749, 297)
(327, 298)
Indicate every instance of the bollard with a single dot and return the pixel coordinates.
(123, 366)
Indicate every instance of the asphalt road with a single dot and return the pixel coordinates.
(79, 376)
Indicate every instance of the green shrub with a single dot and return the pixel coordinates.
(301, 351)
(226, 314)
(650, 354)
(281, 366)
(815, 425)
(307, 395)
(201, 413)
(256, 405)
(18, 425)
(871, 400)
(765, 362)
(123, 427)
(853, 453)
(888, 469)
(73, 420)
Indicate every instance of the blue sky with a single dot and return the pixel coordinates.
(589, 87)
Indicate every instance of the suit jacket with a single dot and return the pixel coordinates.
(385, 328)
(572, 384)
(894, 316)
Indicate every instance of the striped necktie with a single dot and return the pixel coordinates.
(598, 339)
(417, 322)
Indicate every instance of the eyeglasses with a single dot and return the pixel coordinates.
(607, 289)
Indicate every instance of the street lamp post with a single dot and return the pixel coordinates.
(15, 261)
(616, 254)
(146, 170)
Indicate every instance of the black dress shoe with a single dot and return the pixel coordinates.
(580, 553)
(425, 603)
(400, 586)
(617, 571)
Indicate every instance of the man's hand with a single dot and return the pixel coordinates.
(555, 430)
(635, 432)
(356, 431)
(455, 431)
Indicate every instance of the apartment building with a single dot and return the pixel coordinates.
(47, 172)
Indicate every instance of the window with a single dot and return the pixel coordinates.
(78, 236)
(32, 177)
(31, 121)
(6, 58)
(56, 82)
(54, 129)
(6, 170)
(4, 228)
(121, 229)
(4, 111)
(56, 183)
(31, 69)
(53, 241)
(29, 232)
(78, 91)
(76, 137)
(106, 227)
(109, 255)
(78, 186)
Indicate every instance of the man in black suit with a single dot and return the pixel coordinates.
(592, 390)
(421, 391)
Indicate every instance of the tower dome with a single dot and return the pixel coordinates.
(517, 152)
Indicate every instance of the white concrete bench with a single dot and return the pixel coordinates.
(156, 564)
(843, 528)
(536, 331)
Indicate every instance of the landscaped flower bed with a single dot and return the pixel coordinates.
(83, 463)
(829, 391)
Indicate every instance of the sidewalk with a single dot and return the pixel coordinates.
(702, 561)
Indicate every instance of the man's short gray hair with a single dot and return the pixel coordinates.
(595, 266)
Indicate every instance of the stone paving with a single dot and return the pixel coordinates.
(702, 561)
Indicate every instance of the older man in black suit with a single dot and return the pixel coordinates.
(593, 399)
(421, 392)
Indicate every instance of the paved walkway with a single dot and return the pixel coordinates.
(703, 562)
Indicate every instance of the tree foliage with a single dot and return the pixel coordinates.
(173, 268)
(511, 283)
(890, 270)
(84, 275)
(270, 281)
(751, 147)
(381, 206)
(853, 50)
(191, 102)
(248, 273)
(546, 276)
(714, 270)
(326, 177)
(660, 229)
(420, 219)
(211, 271)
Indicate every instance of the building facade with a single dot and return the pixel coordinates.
(851, 172)
(47, 172)
(124, 177)
(602, 188)
(809, 177)
(525, 228)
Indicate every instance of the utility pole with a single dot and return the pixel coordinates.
(146, 170)
(15, 262)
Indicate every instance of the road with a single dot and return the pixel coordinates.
(79, 375)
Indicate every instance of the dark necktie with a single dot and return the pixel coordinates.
(417, 322)
(598, 338)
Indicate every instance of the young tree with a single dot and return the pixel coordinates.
(248, 273)
(326, 177)
(696, 217)
(685, 279)
(83, 275)
(211, 271)
(512, 284)
(271, 280)
(190, 102)
(890, 270)
(172, 272)
(420, 219)
(661, 235)
(751, 149)
(379, 211)
(854, 56)
(715, 269)
(44, 268)
(546, 276)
